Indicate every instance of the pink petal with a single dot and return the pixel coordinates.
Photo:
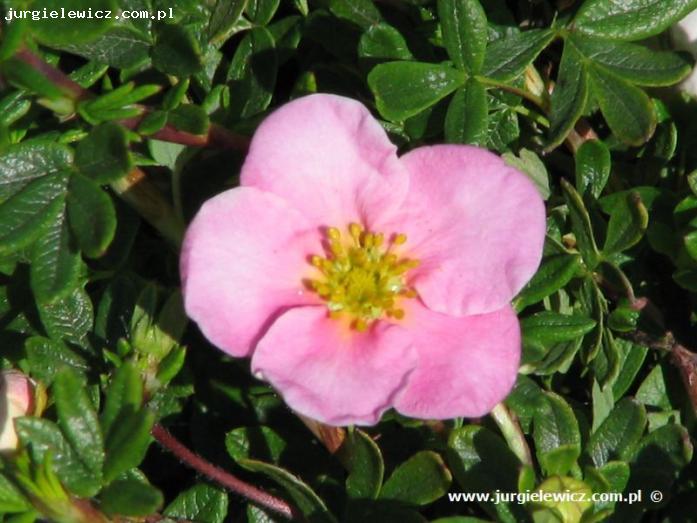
(476, 224)
(330, 373)
(328, 157)
(243, 261)
(466, 365)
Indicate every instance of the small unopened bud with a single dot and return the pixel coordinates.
(16, 400)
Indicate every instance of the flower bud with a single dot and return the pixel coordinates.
(16, 400)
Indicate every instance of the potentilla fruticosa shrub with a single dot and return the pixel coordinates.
(362, 261)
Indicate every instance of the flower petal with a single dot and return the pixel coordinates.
(328, 157)
(243, 261)
(476, 224)
(466, 365)
(331, 373)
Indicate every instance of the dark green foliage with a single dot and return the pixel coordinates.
(105, 157)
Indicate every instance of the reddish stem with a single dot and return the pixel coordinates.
(227, 480)
(217, 136)
(57, 77)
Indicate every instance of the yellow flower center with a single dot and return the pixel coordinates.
(362, 278)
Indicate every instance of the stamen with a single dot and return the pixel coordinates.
(362, 279)
(400, 239)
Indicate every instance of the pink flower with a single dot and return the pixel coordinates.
(16, 400)
(358, 280)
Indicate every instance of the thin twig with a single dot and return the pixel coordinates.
(223, 478)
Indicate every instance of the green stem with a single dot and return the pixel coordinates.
(523, 93)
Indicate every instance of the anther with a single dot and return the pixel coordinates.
(333, 233)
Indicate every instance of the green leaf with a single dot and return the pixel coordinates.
(78, 420)
(127, 442)
(56, 261)
(464, 27)
(606, 365)
(25, 76)
(365, 465)
(224, 16)
(24, 216)
(120, 46)
(252, 74)
(690, 241)
(556, 434)
(628, 222)
(91, 215)
(63, 30)
(258, 442)
(547, 327)
(634, 63)
(152, 122)
(69, 318)
(611, 477)
(618, 435)
(383, 42)
(570, 95)
(632, 357)
(46, 357)
(572, 508)
(482, 462)
(659, 458)
(467, 119)
(103, 156)
(507, 58)
(630, 19)
(529, 163)
(554, 273)
(176, 51)
(202, 503)
(524, 400)
(420, 480)
(125, 393)
(123, 95)
(581, 225)
(130, 497)
(260, 12)
(309, 503)
(42, 437)
(189, 118)
(360, 12)
(627, 109)
(603, 402)
(653, 391)
(13, 107)
(11, 498)
(404, 89)
(171, 365)
(593, 164)
(12, 38)
(503, 129)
